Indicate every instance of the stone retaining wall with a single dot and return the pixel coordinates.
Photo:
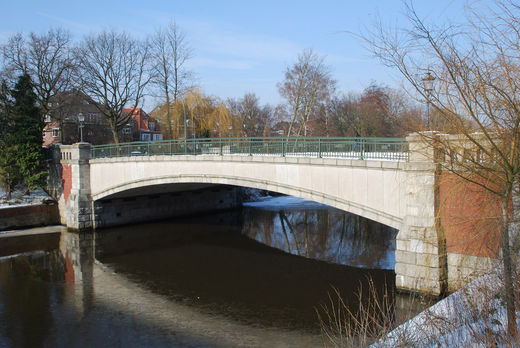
(462, 269)
(29, 216)
(137, 209)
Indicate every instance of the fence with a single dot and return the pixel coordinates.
(394, 149)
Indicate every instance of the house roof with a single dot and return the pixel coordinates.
(142, 119)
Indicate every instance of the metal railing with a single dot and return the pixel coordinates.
(394, 149)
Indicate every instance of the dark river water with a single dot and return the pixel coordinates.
(247, 278)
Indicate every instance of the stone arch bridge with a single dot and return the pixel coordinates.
(386, 184)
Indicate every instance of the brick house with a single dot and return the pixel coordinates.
(144, 127)
(63, 127)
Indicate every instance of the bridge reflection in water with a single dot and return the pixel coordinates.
(319, 232)
(192, 282)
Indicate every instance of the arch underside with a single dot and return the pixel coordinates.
(319, 197)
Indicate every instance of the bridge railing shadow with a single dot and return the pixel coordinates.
(392, 149)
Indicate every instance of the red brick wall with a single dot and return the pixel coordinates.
(470, 217)
(66, 177)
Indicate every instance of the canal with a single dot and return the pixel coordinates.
(249, 277)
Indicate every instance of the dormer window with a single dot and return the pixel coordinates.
(47, 118)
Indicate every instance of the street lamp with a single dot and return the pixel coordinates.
(81, 119)
(428, 88)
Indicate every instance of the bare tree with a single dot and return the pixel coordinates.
(170, 52)
(307, 84)
(114, 72)
(47, 58)
(253, 117)
(476, 67)
(377, 111)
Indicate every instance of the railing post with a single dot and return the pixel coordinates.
(283, 147)
(220, 140)
(319, 147)
(250, 147)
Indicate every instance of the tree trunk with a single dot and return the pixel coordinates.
(514, 224)
(512, 329)
(169, 116)
(114, 134)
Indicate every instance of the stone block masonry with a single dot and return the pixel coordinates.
(158, 206)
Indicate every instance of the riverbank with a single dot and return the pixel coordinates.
(473, 316)
(34, 209)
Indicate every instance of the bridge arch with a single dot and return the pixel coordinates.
(283, 188)
(372, 189)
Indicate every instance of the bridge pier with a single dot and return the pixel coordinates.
(75, 202)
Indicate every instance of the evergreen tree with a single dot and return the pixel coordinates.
(26, 134)
(9, 171)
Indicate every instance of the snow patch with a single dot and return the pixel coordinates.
(284, 202)
(35, 197)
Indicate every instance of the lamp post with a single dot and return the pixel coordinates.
(81, 119)
(184, 112)
(428, 88)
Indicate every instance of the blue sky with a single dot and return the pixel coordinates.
(240, 46)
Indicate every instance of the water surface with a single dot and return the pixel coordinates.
(251, 277)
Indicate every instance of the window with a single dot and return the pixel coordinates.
(55, 132)
(151, 126)
(47, 118)
(127, 130)
(145, 136)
